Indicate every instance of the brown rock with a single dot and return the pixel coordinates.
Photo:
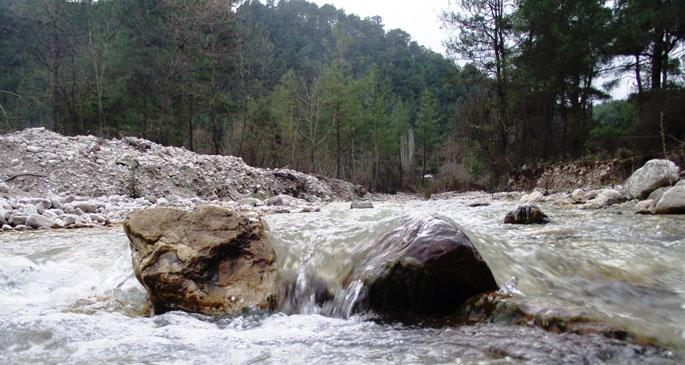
(210, 260)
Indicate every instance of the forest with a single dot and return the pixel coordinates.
(291, 84)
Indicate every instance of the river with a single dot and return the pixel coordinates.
(69, 296)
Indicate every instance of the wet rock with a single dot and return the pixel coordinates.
(478, 204)
(645, 206)
(4, 188)
(20, 227)
(606, 197)
(654, 174)
(526, 214)
(209, 260)
(361, 205)
(37, 221)
(673, 200)
(7, 227)
(427, 265)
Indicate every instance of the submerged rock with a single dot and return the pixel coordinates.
(653, 175)
(673, 200)
(427, 265)
(361, 205)
(209, 260)
(526, 214)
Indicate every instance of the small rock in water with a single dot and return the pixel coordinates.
(526, 214)
(673, 200)
(361, 205)
(645, 207)
(606, 198)
(7, 227)
(4, 188)
(479, 204)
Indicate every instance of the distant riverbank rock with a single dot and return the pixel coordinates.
(427, 265)
(533, 197)
(653, 175)
(361, 205)
(209, 260)
(526, 214)
(672, 201)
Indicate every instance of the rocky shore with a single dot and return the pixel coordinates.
(51, 181)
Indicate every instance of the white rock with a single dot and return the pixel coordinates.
(673, 200)
(254, 202)
(4, 188)
(18, 219)
(38, 221)
(605, 198)
(33, 149)
(86, 206)
(7, 227)
(533, 197)
(654, 174)
(645, 207)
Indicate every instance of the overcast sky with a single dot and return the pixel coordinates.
(421, 19)
(418, 18)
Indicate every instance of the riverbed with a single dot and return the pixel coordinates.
(69, 296)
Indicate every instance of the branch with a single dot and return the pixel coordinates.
(20, 175)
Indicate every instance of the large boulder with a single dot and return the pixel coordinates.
(209, 260)
(672, 201)
(526, 214)
(653, 175)
(427, 265)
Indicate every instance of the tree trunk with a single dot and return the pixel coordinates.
(190, 123)
(657, 60)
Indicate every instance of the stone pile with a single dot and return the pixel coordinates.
(37, 162)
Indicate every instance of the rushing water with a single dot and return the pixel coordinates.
(70, 296)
